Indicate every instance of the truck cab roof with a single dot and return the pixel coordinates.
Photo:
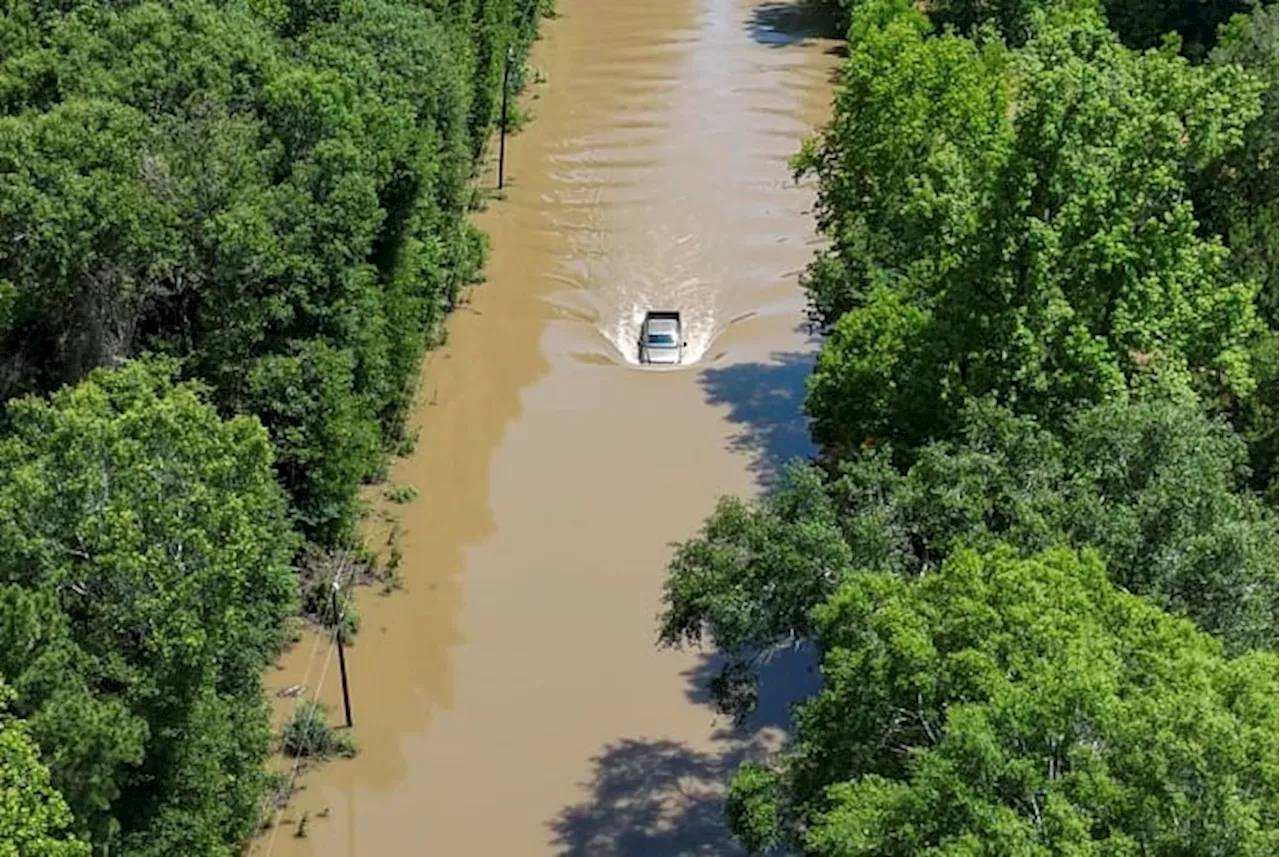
(660, 338)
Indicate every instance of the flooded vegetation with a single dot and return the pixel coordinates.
(342, 511)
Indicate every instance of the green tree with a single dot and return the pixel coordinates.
(268, 191)
(1156, 487)
(1019, 705)
(1036, 336)
(1016, 223)
(1146, 23)
(1140, 24)
(144, 578)
(1236, 194)
(90, 247)
(33, 816)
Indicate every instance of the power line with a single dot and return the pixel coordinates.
(303, 751)
(293, 712)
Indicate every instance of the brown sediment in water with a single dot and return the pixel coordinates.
(510, 700)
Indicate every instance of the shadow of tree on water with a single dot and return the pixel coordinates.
(766, 401)
(782, 24)
(786, 676)
(651, 798)
(662, 798)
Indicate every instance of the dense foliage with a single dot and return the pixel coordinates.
(1139, 23)
(1046, 413)
(228, 230)
(1154, 487)
(33, 816)
(1016, 224)
(144, 581)
(273, 192)
(1236, 197)
(1019, 706)
(1239, 198)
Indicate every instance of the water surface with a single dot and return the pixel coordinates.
(510, 701)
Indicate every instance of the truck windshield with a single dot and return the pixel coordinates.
(661, 339)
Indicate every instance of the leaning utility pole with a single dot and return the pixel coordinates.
(502, 135)
(342, 658)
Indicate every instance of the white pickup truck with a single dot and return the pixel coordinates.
(661, 338)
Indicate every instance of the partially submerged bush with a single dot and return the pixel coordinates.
(309, 735)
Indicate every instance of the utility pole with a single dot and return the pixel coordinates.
(342, 658)
(502, 135)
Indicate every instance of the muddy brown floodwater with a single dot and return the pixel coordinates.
(511, 701)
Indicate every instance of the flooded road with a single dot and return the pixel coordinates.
(510, 700)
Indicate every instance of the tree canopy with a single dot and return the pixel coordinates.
(1155, 487)
(144, 580)
(33, 816)
(274, 193)
(1008, 705)
(1016, 223)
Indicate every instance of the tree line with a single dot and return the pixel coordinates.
(1036, 553)
(228, 230)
